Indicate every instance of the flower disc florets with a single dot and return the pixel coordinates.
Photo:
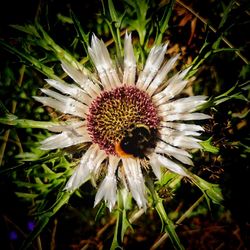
(113, 112)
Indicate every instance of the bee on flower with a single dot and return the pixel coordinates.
(128, 120)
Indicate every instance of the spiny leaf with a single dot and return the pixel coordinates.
(42, 186)
(207, 146)
(163, 24)
(122, 223)
(27, 196)
(12, 120)
(112, 11)
(84, 37)
(34, 62)
(167, 224)
(28, 29)
(167, 178)
(211, 190)
(100, 211)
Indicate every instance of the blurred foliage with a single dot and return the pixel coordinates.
(211, 36)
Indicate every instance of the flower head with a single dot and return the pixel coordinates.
(126, 120)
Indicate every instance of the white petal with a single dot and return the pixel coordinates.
(162, 147)
(186, 117)
(155, 167)
(173, 87)
(65, 105)
(177, 153)
(80, 77)
(169, 131)
(153, 63)
(92, 89)
(100, 56)
(87, 165)
(70, 89)
(108, 188)
(169, 92)
(63, 140)
(182, 105)
(129, 62)
(75, 72)
(182, 126)
(181, 141)
(189, 133)
(135, 180)
(184, 72)
(184, 159)
(101, 156)
(160, 77)
(82, 172)
(172, 166)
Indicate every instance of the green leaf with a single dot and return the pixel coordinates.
(38, 158)
(100, 211)
(167, 224)
(207, 146)
(210, 190)
(64, 19)
(12, 120)
(84, 37)
(166, 178)
(34, 62)
(140, 22)
(28, 29)
(245, 72)
(50, 45)
(112, 11)
(226, 13)
(122, 223)
(163, 24)
(27, 196)
(37, 186)
(230, 94)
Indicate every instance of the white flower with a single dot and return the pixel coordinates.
(125, 121)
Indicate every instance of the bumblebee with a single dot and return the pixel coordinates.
(137, 139)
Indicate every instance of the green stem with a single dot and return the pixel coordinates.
(25, 123)
(180, 220)
(32, 60)
(117, 239)
(164, 22)
(168, 224)
(60, 53)
(119, 41)
(142, 55)
(115, 37)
